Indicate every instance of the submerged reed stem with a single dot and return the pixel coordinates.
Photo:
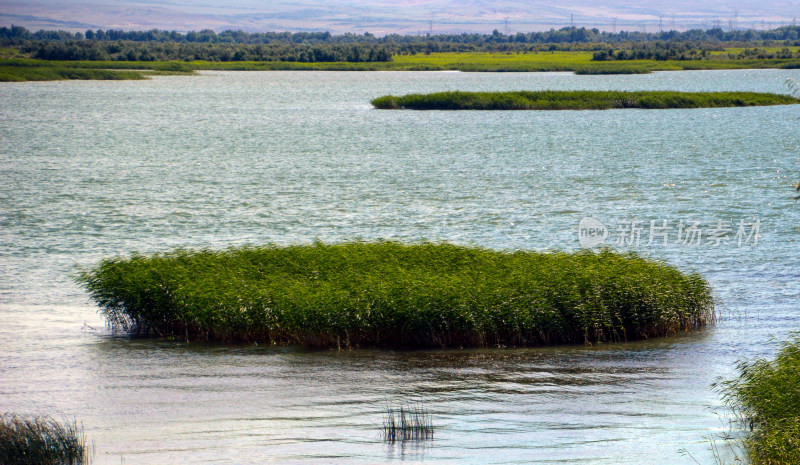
(408, 422)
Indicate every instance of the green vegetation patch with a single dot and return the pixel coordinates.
(579, 62)
(766, 396)
(577, 100)
(397, 295)
(15, 70)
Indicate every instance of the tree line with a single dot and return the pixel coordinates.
(659, 50)
(160, 51)
(310, 47)
(553, 36)
(686, 51)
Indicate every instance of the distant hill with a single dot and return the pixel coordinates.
(398, 16)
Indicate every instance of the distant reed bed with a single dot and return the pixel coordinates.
(15, 73)
(21, 69)
(397, 295)
(41, 441)
(577, 100)
(766, 398)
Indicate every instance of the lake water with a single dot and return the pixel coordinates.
(95, 169)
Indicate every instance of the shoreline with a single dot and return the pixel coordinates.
(29, 69)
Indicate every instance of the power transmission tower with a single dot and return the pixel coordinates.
(660, 24)
(614, 25)
(507, 30)
(572, 21)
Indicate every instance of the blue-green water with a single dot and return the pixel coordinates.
(93, 169)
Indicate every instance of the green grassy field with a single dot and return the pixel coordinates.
(577, 100)
(579, 62)
(395, 295)
(766, 397)
(15, 69)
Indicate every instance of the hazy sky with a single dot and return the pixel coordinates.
(401, 16)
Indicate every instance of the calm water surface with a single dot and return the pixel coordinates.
(94, 169)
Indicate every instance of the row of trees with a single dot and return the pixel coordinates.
(760, 53)
(156, 45)
(159, 51)
(660, 50)
(18, 35)
(686, 51)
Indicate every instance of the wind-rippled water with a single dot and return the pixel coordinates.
(95, 169)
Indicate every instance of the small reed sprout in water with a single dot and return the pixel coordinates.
(409, 422)
(41, 440)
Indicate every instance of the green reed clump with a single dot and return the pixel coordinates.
(41, 441)
(578, 100)
(409, 422)
(766, 397)
(398, 295)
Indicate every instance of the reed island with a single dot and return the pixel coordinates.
(577, 100)
(388, 294)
